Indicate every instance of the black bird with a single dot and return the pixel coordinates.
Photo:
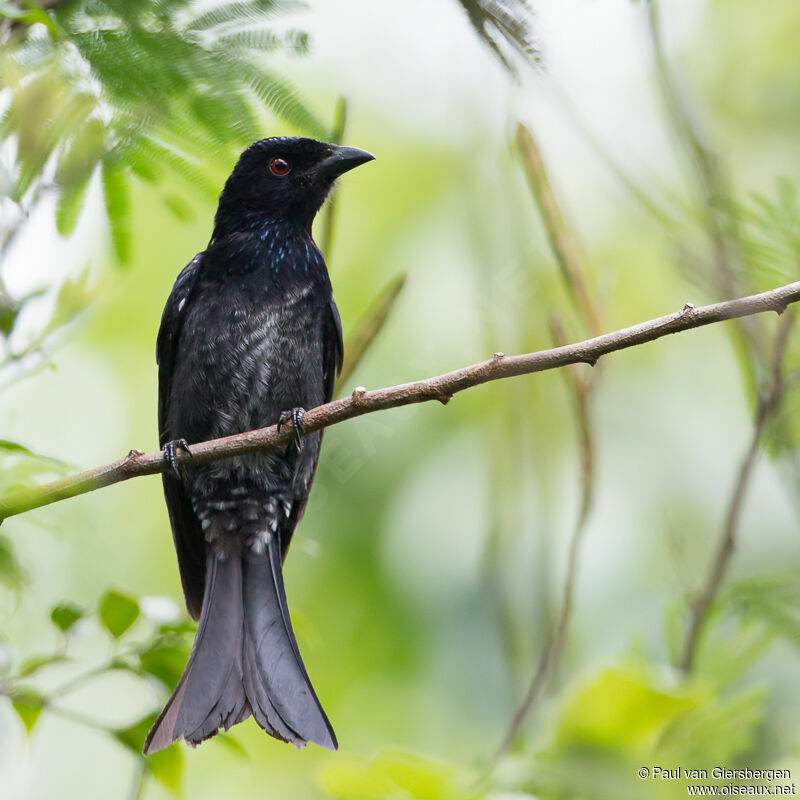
(250, 337)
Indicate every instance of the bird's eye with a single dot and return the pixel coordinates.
(280, 166)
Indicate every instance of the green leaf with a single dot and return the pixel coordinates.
(116, 196)
(353, 778)
(28, 704)
(15, 447)
(74, 296)
(69, 206)
(29, 16)
(397, 775)
(623, 707)
(9, 311)
(148, 149)
(118, 612)
(20, 454)
(32, 665)
(724, 656)
(180, 627)
(65, 615)
(716, 733)
(247, 11)
(75, 169)
(134, 735)
(233, 744)
(113, 74)
(165, 661)
(773, 600)
(506, 21)
(281, 98)
(166, 766)
(11, 573)
(179, 207)
(264, 41)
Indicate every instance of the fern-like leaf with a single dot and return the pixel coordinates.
(264, 41)
(501, 23)
(242, 12)
(69, 206)
(282, 99)
(148, 84)
(116, 196)
(773, 600)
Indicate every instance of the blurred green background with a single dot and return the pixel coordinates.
(427, 576)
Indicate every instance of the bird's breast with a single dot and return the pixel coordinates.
(247, 354)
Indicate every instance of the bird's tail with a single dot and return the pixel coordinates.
(244, 660)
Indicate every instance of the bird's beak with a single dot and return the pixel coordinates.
(341, 160)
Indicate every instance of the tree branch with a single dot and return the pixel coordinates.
(441, 388)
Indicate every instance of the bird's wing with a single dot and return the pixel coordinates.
(332, 355)
(168, 334)
(333, 349)
(186, 529)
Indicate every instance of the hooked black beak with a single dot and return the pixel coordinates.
(341, 160)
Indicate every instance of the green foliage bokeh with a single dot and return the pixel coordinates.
(427, 573)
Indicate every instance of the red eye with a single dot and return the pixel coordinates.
(280, 166)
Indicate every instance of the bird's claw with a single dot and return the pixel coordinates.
(171, 454)
(295, 417)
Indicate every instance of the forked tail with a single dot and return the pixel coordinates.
(244, 661)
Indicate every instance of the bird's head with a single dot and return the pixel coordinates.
(283, 179)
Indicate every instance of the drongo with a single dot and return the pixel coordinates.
(250, 336)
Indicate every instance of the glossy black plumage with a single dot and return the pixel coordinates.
(250, 331)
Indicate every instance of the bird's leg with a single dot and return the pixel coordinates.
(295, 416)
(171, 454)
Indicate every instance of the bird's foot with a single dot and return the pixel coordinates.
(170, 451)
(295, 417)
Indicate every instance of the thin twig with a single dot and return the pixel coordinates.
(440, 387)
(78, 681)
(45, 704)
(768, 403)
